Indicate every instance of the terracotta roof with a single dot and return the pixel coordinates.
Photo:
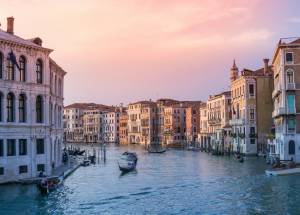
(91, 106)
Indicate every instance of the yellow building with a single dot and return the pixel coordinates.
(251, 93)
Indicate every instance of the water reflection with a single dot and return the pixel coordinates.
(176, 182)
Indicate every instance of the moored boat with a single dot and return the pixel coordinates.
(283, 171)
(127, 161)
(155, 148)
(46, 185)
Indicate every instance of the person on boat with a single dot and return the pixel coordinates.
(41, 174)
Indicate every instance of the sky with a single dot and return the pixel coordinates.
(121, 51)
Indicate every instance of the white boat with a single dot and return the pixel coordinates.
(127, 161)
(283, 171)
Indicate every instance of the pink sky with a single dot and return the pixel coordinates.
(121, 51)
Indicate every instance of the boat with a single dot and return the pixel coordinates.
(282, 171)
(283, 167)
(47, 185)
(86, 162)
(193, 148)
(156, 148)
(127, 161)
(239, 157)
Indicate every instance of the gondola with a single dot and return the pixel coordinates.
(47, 185)
(156, 148)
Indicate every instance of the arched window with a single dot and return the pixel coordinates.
(39, 109)
(290, 76)
(22, 108)
(1, 65)
(39, 71)
(291, 147)
(22, 64)
(10, 107)
(10, 70)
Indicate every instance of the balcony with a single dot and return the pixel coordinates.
(283, 111)
(237, 122)
(214, 121)
(291, 86)
(276, 90)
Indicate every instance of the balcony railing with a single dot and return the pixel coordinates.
(237, 122)
(214, 121)
(291, 86)
(283, 111)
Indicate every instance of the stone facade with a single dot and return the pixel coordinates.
(251, 93)
(110, 126)
(218, 110)
(31, 108)
(286, 99)
(123, 125)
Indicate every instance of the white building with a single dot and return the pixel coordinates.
(31, 104)
(110, 127)
(73, 123)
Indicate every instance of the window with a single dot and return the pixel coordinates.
(11, 147)
(252, 114)
(290, 77)
(10, 70)
(40, 146)
(291, 125)
(291, 147)
(23, 169)
(10, 107)
(1, 170)
(22, 147)
(39, 71)
(252, 130)
(1, 148)
(251, 89)
(289, 57)
(22, 64)
(39, 109)
(252, 141)
(291, 103)
(1, 65)
(40, 167)
(22, 108)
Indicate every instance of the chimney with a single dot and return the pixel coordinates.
(266, 65)
(10, 25)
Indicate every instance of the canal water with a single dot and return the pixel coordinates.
(176, 182)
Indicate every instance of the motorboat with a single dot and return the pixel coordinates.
(282, 171)
(47, 185)
(127, 161)
(283, 168)
(156, 148)
(193, 148)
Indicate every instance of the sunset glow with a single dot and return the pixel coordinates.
(123, 51)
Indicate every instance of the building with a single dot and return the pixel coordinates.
(286, 98)
(110, 126)
(92, 125)
(31, 107)
(73, 123)
(218, 111)
(193, 122)
(141, 122)
(175, 125)
(251, 97)
(203, 136)
(123, 125)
